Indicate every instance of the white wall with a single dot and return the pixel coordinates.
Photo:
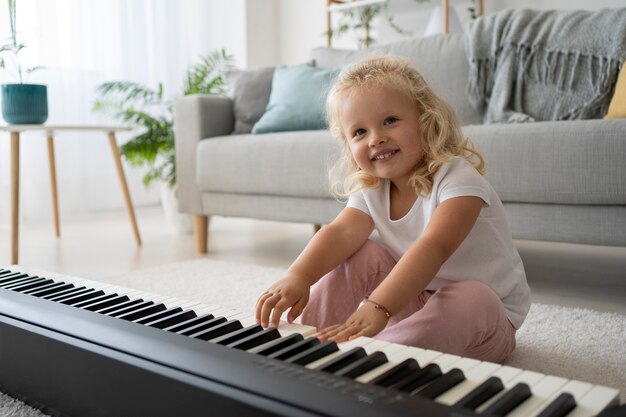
(301, 23)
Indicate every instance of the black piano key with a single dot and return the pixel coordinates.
(141, 312)
(560, 406)
(342, 360)
(34, 284)
(130, 307)
(55, 289)
(204, 325)
(314, 353)
(395, 374)
(189, 323)
(50, 285)
(159, 315)
(115, 307)
(54, 294)
(72, 301)
(363, 365)
(72, 293)
(509, 400)
(4, 272)
(481, 393)
(280, 344)
(219, 330)
(257, 339)
(418, 379)
(442, 384)
(294, 349)
(98, 299)
(71, 298)
(237, 335)
(8, 279)
(177, 318)
(16, 283)
(111, 302)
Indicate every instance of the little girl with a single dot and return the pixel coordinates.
(446, 276)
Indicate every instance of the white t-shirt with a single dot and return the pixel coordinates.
(487, 254)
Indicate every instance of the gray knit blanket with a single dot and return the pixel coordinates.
(529, 65)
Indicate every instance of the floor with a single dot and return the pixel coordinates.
(101, 245)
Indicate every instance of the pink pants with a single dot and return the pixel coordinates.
(465, 318)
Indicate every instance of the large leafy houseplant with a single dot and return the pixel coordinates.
(21, 103)
(149, 112)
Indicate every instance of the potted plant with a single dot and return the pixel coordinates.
(21, 103)
(151, 114)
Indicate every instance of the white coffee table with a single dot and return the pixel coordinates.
(49, 130)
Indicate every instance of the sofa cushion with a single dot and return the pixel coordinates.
(441, 59)
(578, 162)
(250, 92)
(297, 100)
(282, 164)
(617, 108)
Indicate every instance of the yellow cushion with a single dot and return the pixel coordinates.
(617, 108)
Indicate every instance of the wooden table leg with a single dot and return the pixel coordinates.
(15, 195)
(120, 172)
(445, 10)
(53, 184)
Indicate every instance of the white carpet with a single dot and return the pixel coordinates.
(574, 343)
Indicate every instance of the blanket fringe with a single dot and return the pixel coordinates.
(563, 71)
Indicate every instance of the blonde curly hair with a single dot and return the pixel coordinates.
(440, 132)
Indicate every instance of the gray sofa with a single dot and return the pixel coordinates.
(563, 183)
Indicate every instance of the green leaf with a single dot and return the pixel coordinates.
(151, 114)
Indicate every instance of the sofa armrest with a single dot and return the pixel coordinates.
(196, 117)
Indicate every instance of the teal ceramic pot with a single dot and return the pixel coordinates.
(24, 103)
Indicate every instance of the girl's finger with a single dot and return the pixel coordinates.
(344, 334)
(267, 308)
(296, 310)
(359, 334)
(278, 311)
(327, 333)
(259, 305)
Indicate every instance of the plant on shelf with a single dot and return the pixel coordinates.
(359, 21)
(21, 103)
(151, 114)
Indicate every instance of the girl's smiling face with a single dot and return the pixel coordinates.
(381, 126)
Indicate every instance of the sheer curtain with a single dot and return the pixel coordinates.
(82, 43)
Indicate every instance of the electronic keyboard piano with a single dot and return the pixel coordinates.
(73, 347)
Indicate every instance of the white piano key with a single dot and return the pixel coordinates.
(473, 378)
(374, 345)
(391, 351)
(247, 321)
(464, 364)
(290, 328)
(395, 357)
(527, 377)
(343, 348)
(542, 391)
(446, 361)
(426, 356)
(576, 388)
(594, 401)
(205, 309)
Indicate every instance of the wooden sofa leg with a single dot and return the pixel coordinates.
(316, 228)
(200, 229)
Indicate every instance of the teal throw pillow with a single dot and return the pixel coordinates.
(297, 100)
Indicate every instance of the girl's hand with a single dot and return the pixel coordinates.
(366, 321)
(289, 292)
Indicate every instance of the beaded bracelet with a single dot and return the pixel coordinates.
(379, 307)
